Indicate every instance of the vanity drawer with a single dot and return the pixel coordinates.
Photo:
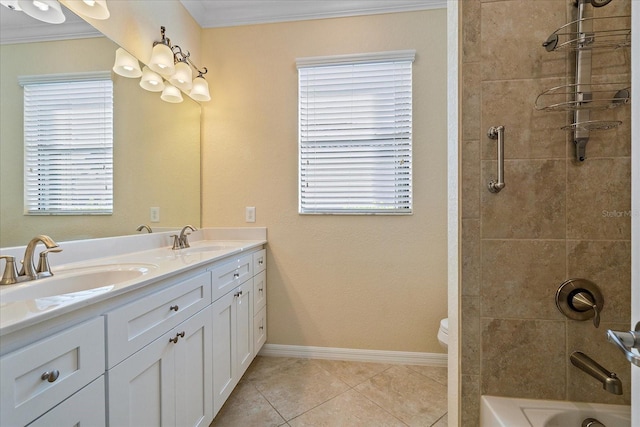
(231, 274)
(259, 291)
(131, 327)
(72, 358)
(259, 329)
(259, 261)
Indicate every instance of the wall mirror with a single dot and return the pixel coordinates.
(156, 146)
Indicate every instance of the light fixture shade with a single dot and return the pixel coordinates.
(44, 10)
(151, 81)
(182, 78)
(126, 64)
(162, 60)
(171, 94)
(96, 9)
(200, 91)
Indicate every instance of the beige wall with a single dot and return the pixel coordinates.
(548, 224)
(156, 148)
(363, 282)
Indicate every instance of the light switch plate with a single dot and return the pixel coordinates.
(250, 214)
(154, 214)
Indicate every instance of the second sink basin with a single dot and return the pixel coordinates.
(76, 283)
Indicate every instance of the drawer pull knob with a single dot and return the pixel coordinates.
(50, 376)
(260, 262)
(237, 294)
(261, 327)
(236, 275)
(177, 337)
(174, 308)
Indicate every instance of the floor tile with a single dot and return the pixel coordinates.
(294, 388)
(349, 409)
(413, 398)
(247, 407)
(436, 373)
(352, 373)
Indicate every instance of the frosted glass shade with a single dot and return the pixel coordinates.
(200, 90)
(96, 9)
(126, 65)
(183, 76)
(171, 94)
(151, 81)
(43, 10)
(162, 60)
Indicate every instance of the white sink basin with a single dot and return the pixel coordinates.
(211, 247)
(74, 284)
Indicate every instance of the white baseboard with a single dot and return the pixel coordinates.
(355, 355)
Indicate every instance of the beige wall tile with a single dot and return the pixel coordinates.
(532, 205)
(607, 264)
(512, 37)
(524, 358)
(529, 133)
(470, 51)
(470, 401)
(470, 100)
(520, 278)
(599, 199)
(471, 260)
(470, 329)
(470, 179)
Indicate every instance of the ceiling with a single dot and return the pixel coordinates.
(17, 27)
(227, 13)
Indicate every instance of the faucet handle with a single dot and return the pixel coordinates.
(10, 275)
(44, 269)
(176, 242)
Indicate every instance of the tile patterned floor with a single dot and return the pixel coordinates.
(280, 391)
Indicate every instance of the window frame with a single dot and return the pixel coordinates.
(406, 57)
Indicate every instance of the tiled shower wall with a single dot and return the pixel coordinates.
(556, 219)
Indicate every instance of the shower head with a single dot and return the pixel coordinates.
(599, 3)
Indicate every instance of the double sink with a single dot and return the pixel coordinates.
(81, 281)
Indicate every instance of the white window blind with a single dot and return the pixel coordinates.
(68, 140)
(355, 134)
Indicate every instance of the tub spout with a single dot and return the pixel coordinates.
(610, 381)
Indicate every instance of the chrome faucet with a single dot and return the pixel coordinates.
(144, 227)
(182, 241)
(610, 381)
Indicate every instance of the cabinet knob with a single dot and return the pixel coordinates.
(260, 262)
(236, 275)
(261, 327)
(50, 376)
(174, 307)
(237, 294)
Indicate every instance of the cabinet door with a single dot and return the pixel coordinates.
(259, 329)
(224, 354)
(244, 327)
(194, 378)
(83, 409)
(142, 387)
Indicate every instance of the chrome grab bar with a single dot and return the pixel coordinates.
(498, 133)
(626, 341)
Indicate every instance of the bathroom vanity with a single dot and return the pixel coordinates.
(150, 337)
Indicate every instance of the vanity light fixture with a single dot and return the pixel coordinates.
(172, 94)
(96, 9)
(151, 80)
(126, 64)
(43, 10)
(200, 90)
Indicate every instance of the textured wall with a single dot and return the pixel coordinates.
(556, 219)
(364, 282)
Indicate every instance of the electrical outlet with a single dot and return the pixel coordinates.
(250, 214)
(154, 214)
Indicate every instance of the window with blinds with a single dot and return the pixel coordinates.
(355, 134)
(68, 144)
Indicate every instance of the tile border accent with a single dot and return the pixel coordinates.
(355, 355)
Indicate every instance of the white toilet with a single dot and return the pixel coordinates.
(443, 333)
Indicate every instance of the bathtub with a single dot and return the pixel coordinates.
(511, 412)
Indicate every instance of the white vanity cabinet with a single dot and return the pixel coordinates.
(41, 375)
(234, 321)
(167, 381)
